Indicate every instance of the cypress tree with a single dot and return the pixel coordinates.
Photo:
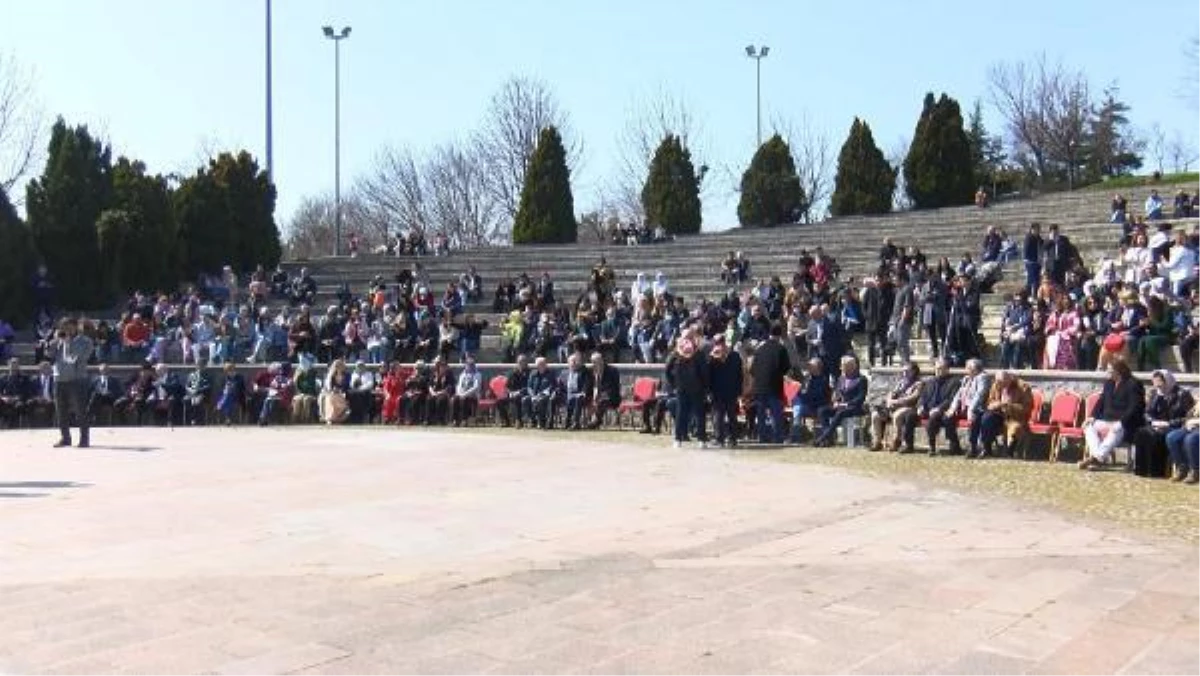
(770, 190)
(137, 235)
(939, 170)
(226, 216)
(865, 181)
(546, 214)
(17, 260)
(63, 206)
(671, 195)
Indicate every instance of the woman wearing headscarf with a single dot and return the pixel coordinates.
(639, 287)
(687, 374)
(660, 287)
(1168, 410)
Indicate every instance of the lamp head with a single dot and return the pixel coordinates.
(749, 50)
(346, 32)
(327, 30)
(764, 50)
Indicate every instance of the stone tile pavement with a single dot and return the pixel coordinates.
(292, 550)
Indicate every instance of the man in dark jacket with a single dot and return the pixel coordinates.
(937, 396)
(725, 384)
(771, 363)
(541, 388)
(1059, 254)
(575, 390)
(1117, 415)
(606, 389)
(877, 310)
(513, 407)
(1031, 254)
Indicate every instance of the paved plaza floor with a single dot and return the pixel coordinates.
(375, 551)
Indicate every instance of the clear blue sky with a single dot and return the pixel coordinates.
(164, 79)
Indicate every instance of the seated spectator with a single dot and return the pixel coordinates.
(849, 398)
(304, 288)
(1183, 448)
(1168, 409)
(1117, 415)
(899, 409)
(1154, 207)
(470, 335)
(814, 395)
(280, 284)
(233, 394)
(516, 385)
(606, 390)
(466, 394)
(1007, 414)
(990, 251)
(334, 404)
(195, 395)
(1062, 331)
(938, 395)
(394, 386)
(278, 395)
(416, 394)
(135, 338)
(15, 391)
(1182, 206)
(473, 284)
(41, 396)
(1127, 323)
(361, 394)
(166, 399)
(441, 389)
(541, 391)
(1015, 330)
(970, 403)
(574, 388)
(136, 401)
(1180, 265)
(104, 392)
(1118, 212)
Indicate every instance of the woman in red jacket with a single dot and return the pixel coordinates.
(393, 390)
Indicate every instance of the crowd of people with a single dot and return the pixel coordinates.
(1132, 305)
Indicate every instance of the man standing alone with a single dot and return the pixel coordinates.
(71, 353)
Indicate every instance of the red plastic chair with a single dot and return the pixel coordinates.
(1075, 429)
(643, 391)
(497, 390)
(790, 389)
(1064, 411)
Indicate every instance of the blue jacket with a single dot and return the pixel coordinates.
(815, 393)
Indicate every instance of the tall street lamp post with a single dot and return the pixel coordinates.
(337, 38)
(758, 55)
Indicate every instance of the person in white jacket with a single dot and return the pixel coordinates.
(466, 394)
(1180, 266)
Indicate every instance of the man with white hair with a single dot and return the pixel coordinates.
(969, 404)
(540, 395)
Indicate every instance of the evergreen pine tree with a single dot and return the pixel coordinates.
(17, 259)
(770, 190)
(671, 195)
(137, 235)
(546, 213)
(226, 216)
(938, 171)
(63, 206)
(865, 181)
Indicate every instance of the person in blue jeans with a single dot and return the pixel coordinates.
(687, 374)
(810, 399)
(1183, 449)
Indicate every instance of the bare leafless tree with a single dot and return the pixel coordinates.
(1156, 144)
(649, 121)
(815, 161)
(309, 233)
(460, 204)
(1181, 151)
(1046, 108)
(22, 122)
(517, 114)
(394, 194)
